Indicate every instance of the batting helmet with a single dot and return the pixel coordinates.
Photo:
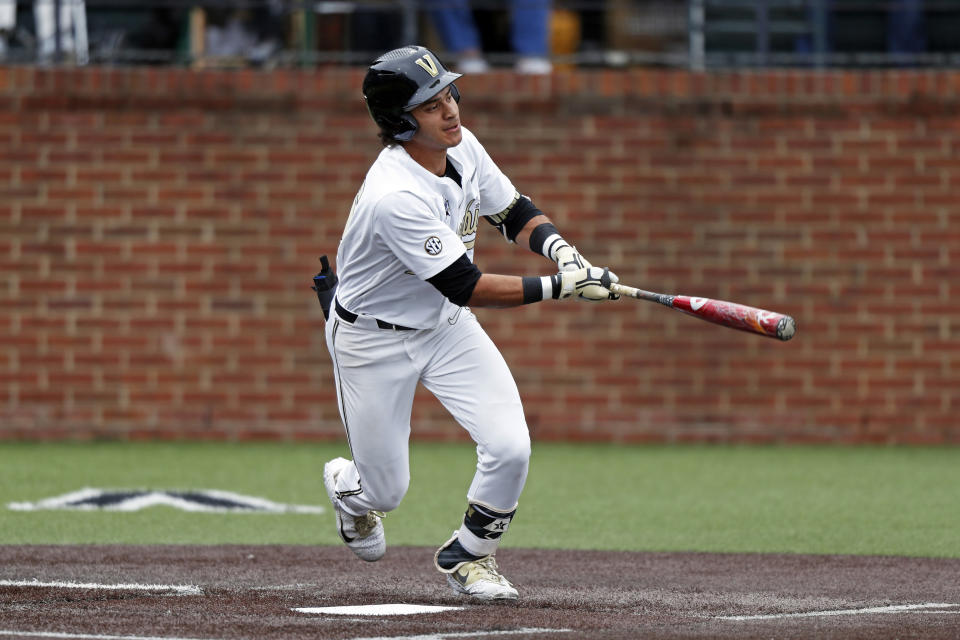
(398, 81)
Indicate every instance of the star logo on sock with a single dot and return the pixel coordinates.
(497, 527)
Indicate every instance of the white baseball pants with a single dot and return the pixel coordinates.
(377, 371)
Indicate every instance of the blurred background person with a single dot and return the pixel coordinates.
(529, 37)
(245, 35)
(73, 29)
(8, 20)
(72, 25)
(906, 27)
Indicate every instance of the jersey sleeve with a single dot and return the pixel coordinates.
(416, 235)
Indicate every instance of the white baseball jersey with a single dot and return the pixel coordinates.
(407, 225)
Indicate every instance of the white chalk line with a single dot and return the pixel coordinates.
(430, 636)
(897, 608)
(399, 609)
(440, 635)
(179, 589)
(86, 636)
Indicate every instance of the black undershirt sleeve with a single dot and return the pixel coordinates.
(457, 281)
(539, 236)
(511, 220)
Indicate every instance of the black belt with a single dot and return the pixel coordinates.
(351, 317)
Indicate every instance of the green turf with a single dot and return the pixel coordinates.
(869, 500)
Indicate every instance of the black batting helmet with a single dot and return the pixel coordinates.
(398, 81)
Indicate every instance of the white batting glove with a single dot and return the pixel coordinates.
(588, 283)
(569, 259)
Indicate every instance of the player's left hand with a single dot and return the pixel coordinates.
(589, 283)
(569, 259)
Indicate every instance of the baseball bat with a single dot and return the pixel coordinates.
(722, 312)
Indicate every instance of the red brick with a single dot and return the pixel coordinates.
(178, 243)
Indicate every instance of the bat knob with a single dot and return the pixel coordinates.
(786, 328)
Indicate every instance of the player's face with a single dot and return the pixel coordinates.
(439, 120)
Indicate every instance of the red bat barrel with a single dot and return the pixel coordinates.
(738, 316)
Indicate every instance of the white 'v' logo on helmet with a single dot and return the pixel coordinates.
(427, 64)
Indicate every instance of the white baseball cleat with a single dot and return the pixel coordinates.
(481, 579)
(468, 575)
(363, 534)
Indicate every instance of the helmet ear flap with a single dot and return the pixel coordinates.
(455, 92)
(397, 126)
(406, 128)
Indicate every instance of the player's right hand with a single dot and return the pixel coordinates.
(588, 283)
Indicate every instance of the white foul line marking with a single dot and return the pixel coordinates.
(377, 610)
(83, 636)
(440, 635)
(180, 589)
(847, 612)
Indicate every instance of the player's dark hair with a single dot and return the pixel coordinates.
(386, 138)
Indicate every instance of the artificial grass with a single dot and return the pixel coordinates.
(822, 500)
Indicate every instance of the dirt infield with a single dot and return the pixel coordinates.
(234, 592)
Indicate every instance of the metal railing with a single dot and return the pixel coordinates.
(696, 34)
(823, 33)
(760, 21)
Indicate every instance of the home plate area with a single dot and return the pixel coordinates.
(293, 592)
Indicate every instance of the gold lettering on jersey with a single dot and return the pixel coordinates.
(429, 65)
(468, 226)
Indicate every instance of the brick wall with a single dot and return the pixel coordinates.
(159, 228)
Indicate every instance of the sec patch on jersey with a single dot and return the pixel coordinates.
(433, 246)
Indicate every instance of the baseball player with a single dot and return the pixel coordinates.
(402, 316)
